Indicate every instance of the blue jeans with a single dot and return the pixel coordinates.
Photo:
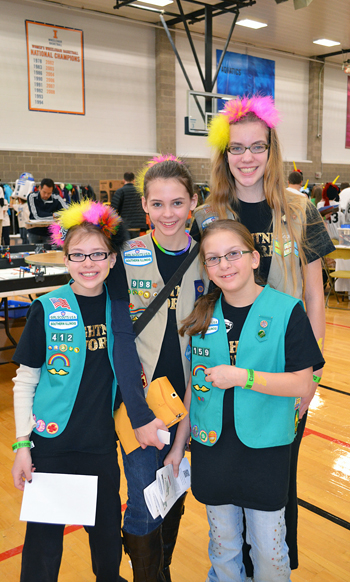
(140, 468)
(266, 532)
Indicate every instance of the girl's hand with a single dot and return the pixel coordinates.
(225, 376)
(22, 468)
(174, 458)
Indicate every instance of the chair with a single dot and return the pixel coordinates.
(333, 275)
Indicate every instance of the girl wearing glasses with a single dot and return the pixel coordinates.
(253, 353)
(65, 391)
(247, 184)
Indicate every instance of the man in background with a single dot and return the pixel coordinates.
(42, 204)
(295, 180)
(127, 202)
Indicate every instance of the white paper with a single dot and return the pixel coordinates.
(57, 498)
(161, 495)
(164, 436)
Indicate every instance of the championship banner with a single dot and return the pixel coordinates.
(347, 139)
(244, 75)
(55, 56)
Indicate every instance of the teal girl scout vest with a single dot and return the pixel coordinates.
(261, 420)
(64, 363)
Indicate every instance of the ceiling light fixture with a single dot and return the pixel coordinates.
(160, 3)
(326, 42)
(251, 23)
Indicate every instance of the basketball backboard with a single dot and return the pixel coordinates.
(201, 108)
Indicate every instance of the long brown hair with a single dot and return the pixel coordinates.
(198, 321)
(289, 210)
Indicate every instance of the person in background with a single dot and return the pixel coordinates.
(316, 195)
(295, 180)
(43, 204)
(127, 202)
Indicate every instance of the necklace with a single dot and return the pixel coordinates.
(172, 253)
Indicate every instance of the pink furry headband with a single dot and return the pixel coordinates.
(237, 109)
(102, 216)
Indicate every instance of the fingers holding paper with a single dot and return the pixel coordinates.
(147, 434)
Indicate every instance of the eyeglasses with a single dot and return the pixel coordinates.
(80, 257)
(232, 256)
(256, 148)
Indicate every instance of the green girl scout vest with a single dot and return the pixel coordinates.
(204, 215)
(260, 420)
(64, 363)
(145, 282)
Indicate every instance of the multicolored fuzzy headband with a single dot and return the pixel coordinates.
(234, 111)
(140, 178)
(102, 216)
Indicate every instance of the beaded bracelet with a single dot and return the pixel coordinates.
(22, 445)
(250, 379)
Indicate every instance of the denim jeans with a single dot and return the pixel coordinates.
(140, 468)
(266, 532)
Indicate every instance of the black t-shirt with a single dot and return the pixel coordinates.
(229, 472)
(169, 363)
(257, 217)
(91, 426)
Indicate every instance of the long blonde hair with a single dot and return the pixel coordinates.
(289, 210)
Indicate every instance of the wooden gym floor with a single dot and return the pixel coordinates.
(323, 484)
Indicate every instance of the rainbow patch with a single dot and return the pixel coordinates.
(199, 367)
(63, 357)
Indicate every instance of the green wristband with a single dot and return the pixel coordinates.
(250, 380)
(21, 445)
(316, 378)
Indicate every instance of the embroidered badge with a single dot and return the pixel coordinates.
(60, 302)
(40, 426)
(208, 221)
(213, 326)
(52, 428)
(63, 320)
(195, 431)
(138, 257)
(212, 435)
(136, 244)
(201, 388)
(199, 367)
(201, 351)
(203, 436)
(263, 323)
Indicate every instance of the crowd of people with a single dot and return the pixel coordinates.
(230, 332)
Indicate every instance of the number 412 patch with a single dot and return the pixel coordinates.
(62, 337)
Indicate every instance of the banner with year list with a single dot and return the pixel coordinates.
(55, 56)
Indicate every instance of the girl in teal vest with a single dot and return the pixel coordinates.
(65, 390)
(253, 353)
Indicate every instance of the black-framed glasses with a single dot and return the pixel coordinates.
(232, 256)
(255, 148)
(80, 257)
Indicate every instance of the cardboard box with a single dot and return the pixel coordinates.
(107, 189)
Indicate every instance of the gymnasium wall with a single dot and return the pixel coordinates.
(132, 99)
